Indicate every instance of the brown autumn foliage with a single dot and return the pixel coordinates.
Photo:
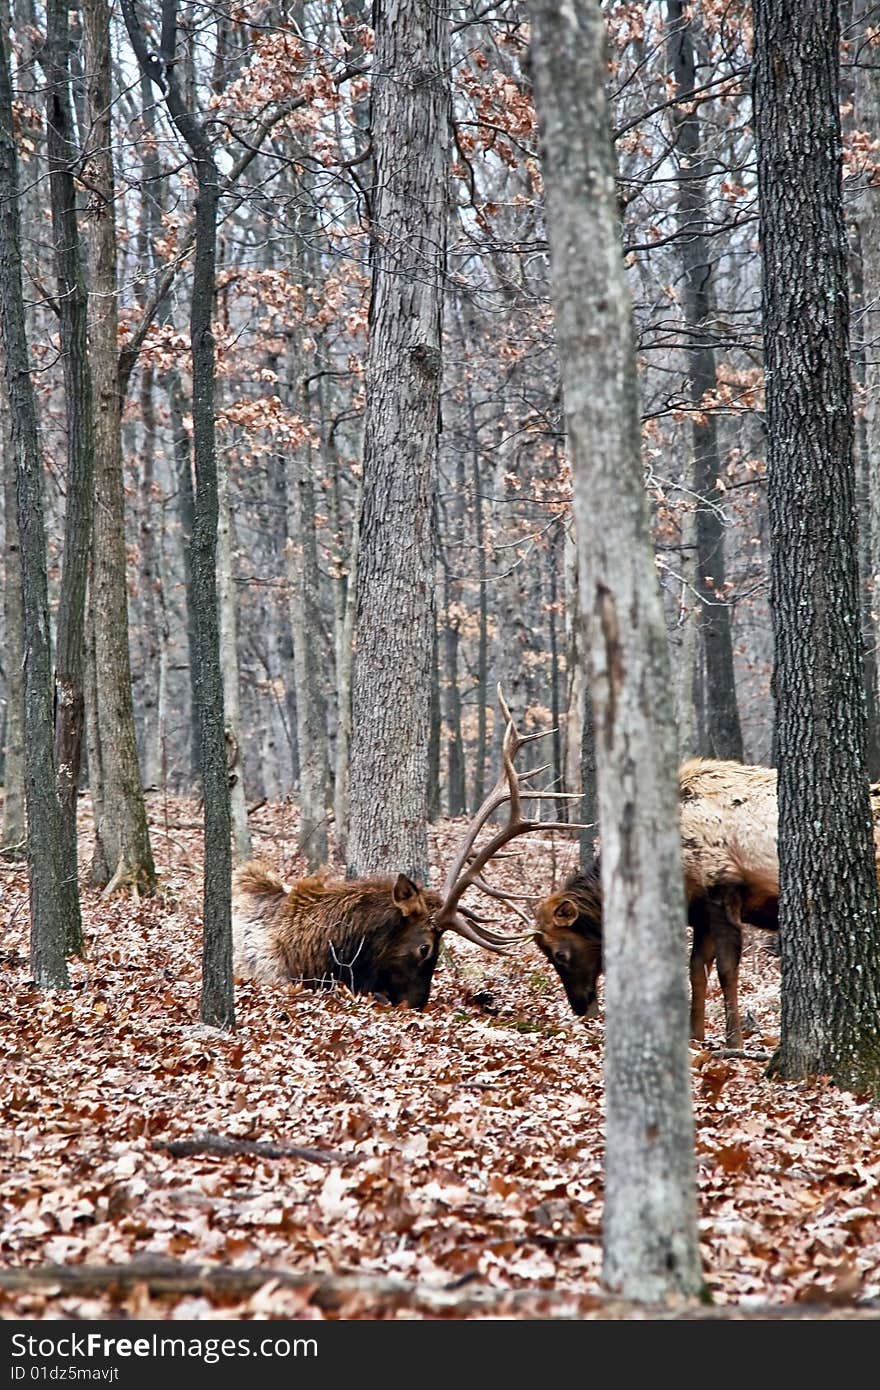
(473, 1129)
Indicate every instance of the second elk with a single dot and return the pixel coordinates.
(729, 820)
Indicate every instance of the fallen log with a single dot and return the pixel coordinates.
(221, 1146)
(332, 1292)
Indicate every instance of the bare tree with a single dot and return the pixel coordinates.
(48, 916)
(122, 841)
(828, 909)
(724, 737)
(650, 1228)
(63, 153)
(217, 1001)
(394, 630)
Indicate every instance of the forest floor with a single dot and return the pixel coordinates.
(459, 1170)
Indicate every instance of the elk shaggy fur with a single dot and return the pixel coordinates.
(729, 829)
(374, 935)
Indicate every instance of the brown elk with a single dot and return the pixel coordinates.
(731, 877)
(379, 936)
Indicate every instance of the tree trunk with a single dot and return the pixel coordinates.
(73, 311)
(433, 793)
(122, 838)
(650, 1227)
(241, 834)
(479, 786)
(217, 1000)
(555, 545)
(307, 622)
(48, 917)
(12, 841)
(391, 697)
(456, 791)
(152, 649)
(866, 116)
(828, 910)
(344, 672)
(722, 726)
(186, 511)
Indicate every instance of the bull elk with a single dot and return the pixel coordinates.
(731, 877)
(381, 936)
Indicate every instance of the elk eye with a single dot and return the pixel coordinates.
(424, 951)
(561, 957)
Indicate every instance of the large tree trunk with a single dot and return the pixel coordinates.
(649, 1228)
(724, 737)
(73, 312)
(48, 917)
(122, 840)
(391, 696)
(828, 910)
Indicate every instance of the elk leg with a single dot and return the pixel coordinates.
(702, 952)
(726, 926)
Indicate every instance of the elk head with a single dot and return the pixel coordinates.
(570, 936)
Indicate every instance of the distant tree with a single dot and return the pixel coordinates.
(13, 836)
(122, 842)
(698, 255)
(63, 154)
(395, 622)
(48, 916)
(651, 1250)
(161, 66)
(829, 924)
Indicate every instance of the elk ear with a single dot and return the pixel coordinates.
(407, 896)
(565, 913)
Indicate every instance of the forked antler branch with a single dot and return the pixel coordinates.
(469, 863)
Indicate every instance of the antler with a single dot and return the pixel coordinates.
(467, 868)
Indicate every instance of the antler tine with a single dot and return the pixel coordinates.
(503, 895)
(466, 870)
(508, 898)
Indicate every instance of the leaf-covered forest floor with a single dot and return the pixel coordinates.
(472, 1132)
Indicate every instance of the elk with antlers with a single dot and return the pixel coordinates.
(381, 936)
(728, 821)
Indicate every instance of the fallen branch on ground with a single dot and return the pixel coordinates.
(332, 1292)
(223, 1147)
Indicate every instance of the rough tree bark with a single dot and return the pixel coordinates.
(48, 918)
(122, 849)
(723, 734)
(217, 998)
(865, 52)
(63, 154)
(649, 1226)
(395, 606)
(829, 926)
